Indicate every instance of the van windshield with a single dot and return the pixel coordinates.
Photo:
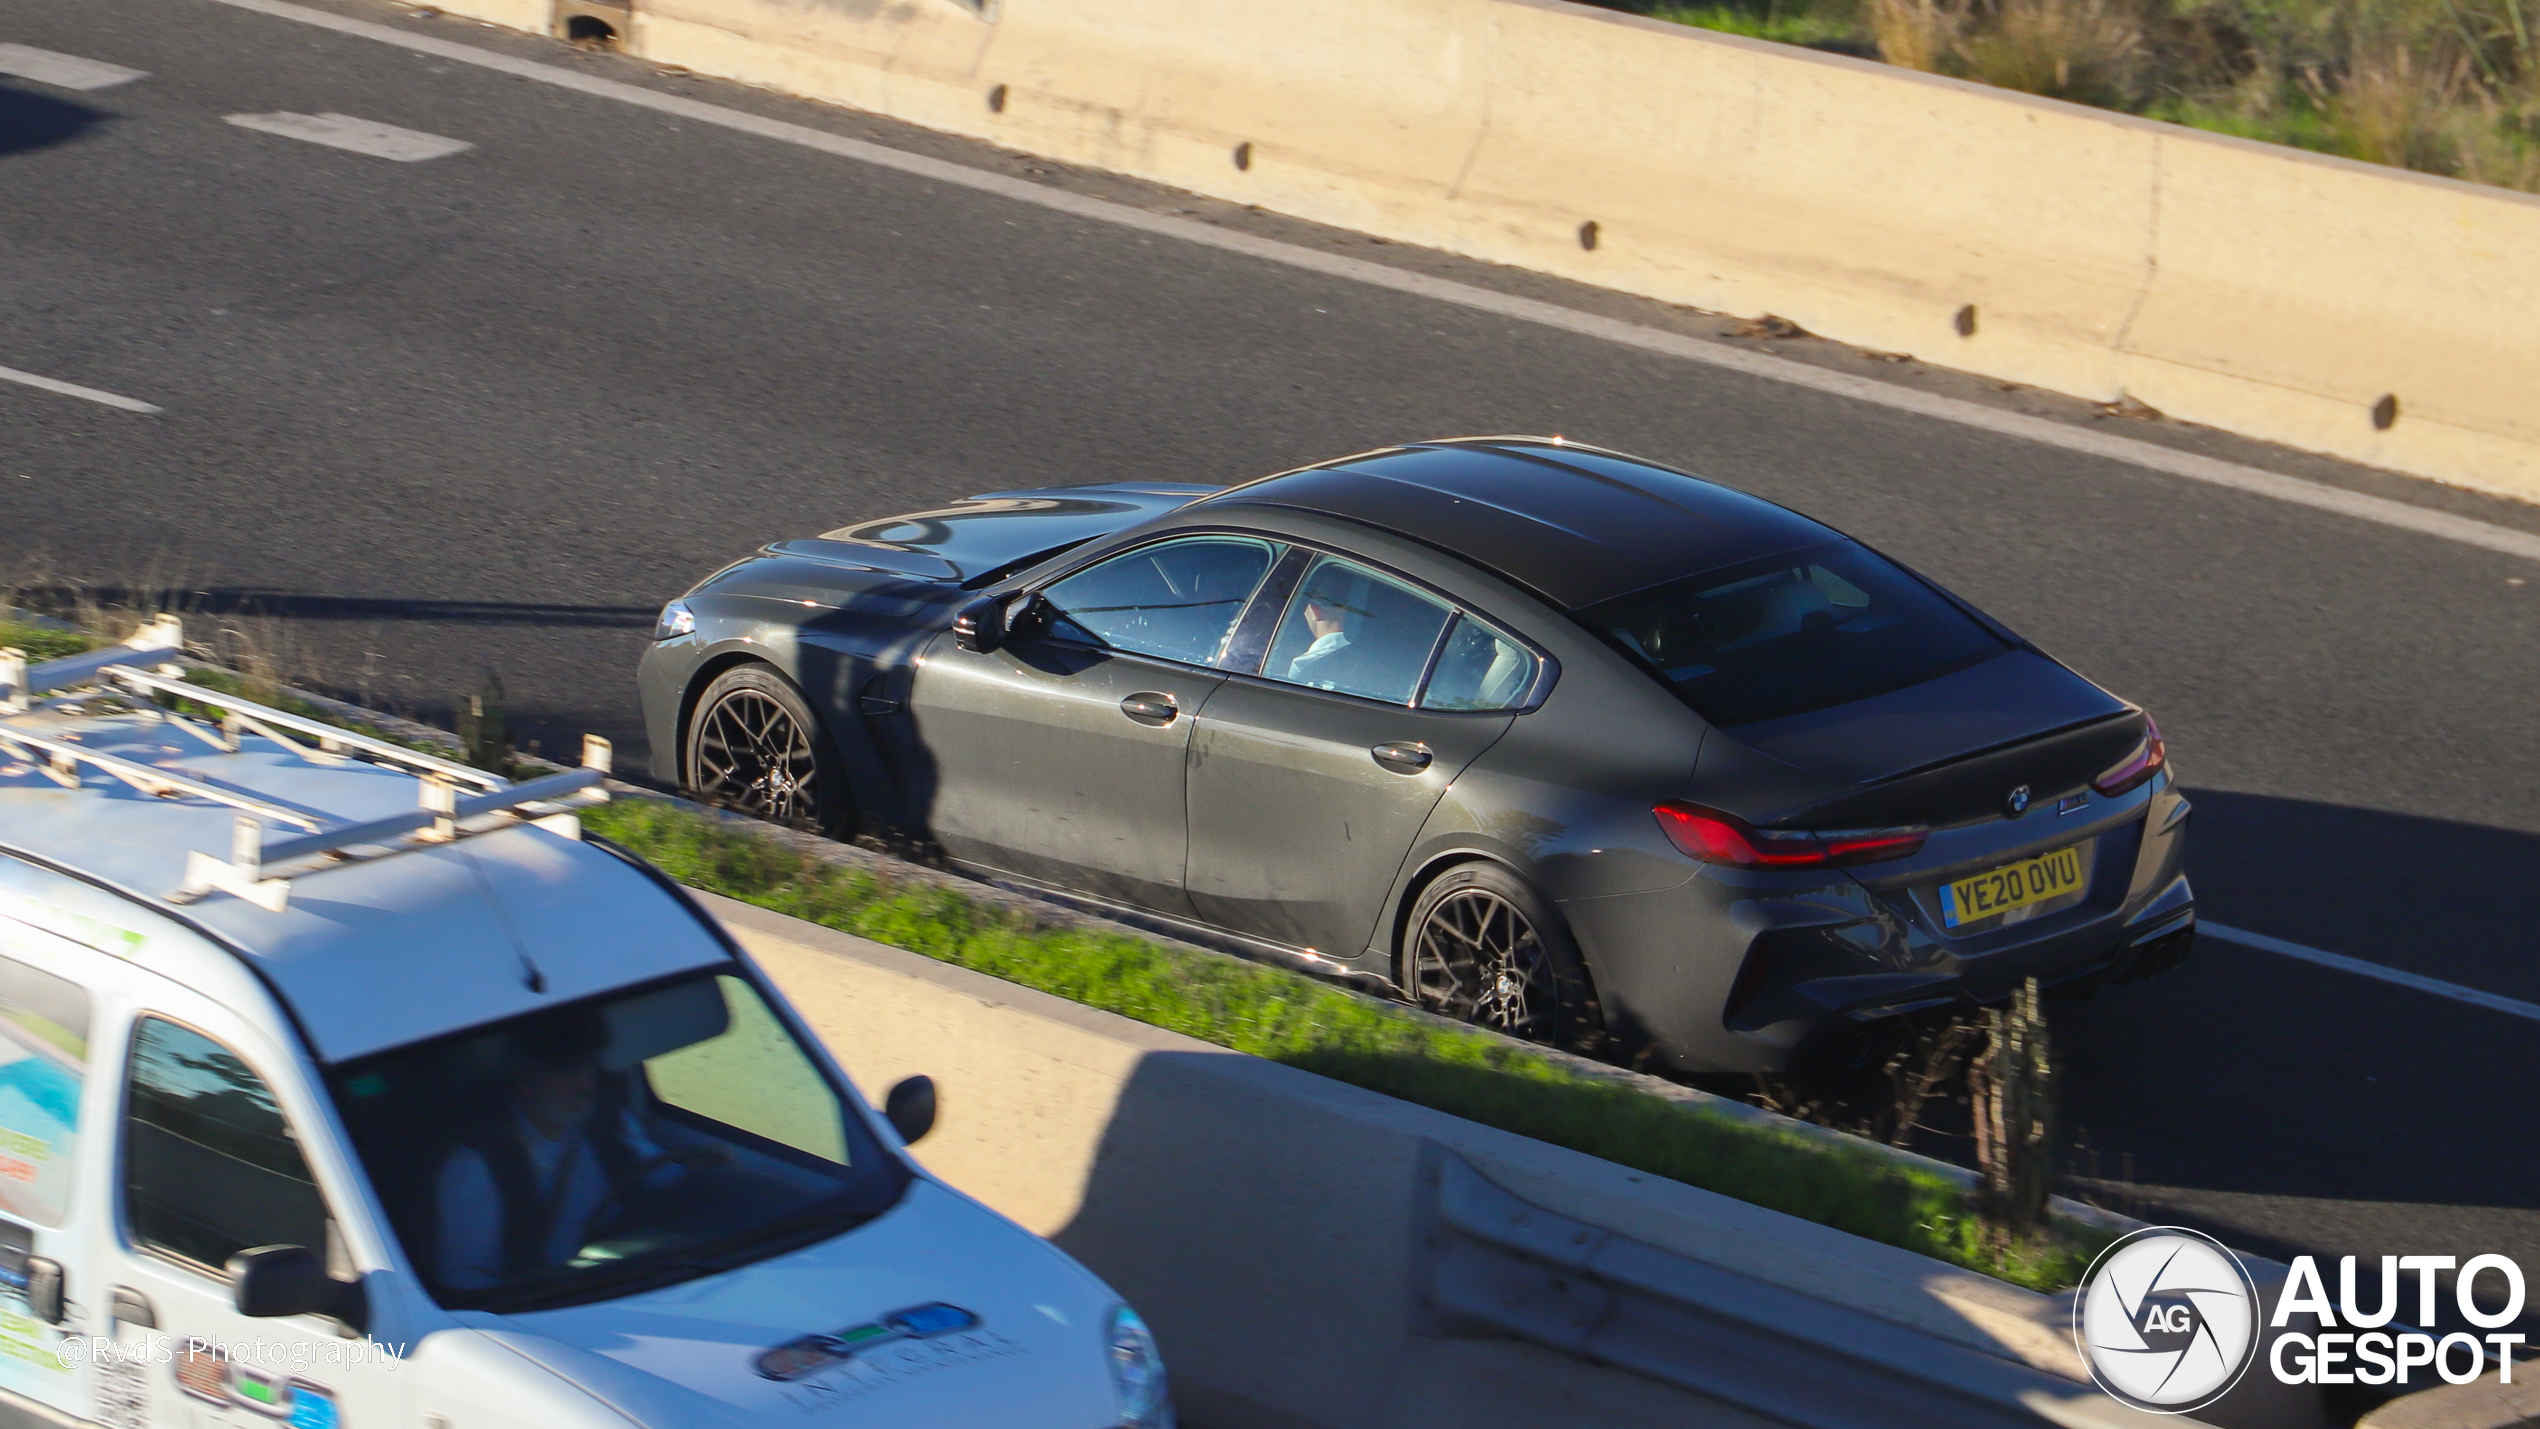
(610, 1146)
(1800, 631)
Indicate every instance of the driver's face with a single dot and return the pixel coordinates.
(559, 1099)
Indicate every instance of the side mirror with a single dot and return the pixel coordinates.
(980, 627)
(910, 1108)
(276, 1280)
(44, 1292)
(983, 625)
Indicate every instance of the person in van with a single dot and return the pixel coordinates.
(530, 1190)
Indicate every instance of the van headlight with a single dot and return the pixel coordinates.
(1137, 1371)
(676, 619)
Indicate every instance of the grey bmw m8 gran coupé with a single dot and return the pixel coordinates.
(1527, 733)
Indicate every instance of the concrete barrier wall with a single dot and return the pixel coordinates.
(1272, 1223)
(2251, 287)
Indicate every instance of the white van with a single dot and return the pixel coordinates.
(344, 1087)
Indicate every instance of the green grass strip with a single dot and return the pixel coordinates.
(1286, 1017)
(41, 643)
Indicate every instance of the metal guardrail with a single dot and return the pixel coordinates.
(1501, 1266)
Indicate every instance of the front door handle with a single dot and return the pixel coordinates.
(131, 1307)
(1149, 707)
(1402, 756)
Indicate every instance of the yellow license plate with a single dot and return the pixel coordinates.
(1997, 891)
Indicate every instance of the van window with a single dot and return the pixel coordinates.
(613, 1145)
(43, 1063)
(210, 1168)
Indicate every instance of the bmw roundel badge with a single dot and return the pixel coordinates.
(2017, 802)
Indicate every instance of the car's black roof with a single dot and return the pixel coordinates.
(1577, 524)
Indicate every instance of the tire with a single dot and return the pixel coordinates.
(755, 747)
(1482, 946)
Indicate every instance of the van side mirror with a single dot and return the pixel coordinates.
(276, 1280)
(44, 1290)
(910, 1108)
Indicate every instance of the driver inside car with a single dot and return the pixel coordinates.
(534, 1187)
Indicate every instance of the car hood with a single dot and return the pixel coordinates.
(691, 1355)
(979, 534)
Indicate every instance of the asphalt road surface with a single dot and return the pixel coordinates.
(481, 413)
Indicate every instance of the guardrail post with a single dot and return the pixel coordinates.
(2013, 1082)
(481, 727)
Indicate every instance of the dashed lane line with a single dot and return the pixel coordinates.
(73, 389)
(2511, 1007)
(361, 136)
(63, 71)
(2149, 455)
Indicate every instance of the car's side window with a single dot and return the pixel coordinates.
(209, 1166)
(1352, 630)
(1175, 599)
(1480, 669)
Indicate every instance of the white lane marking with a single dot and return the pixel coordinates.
(2510, 1006)
(63, 71)
(73, 389)
(362, 136)
(2149, 455)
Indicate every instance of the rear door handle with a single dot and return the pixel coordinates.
(1149, 707)
(1402, 756)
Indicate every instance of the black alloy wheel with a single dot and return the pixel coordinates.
(755, 747)
(1483, 947)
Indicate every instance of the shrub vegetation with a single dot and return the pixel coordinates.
(2446, 87)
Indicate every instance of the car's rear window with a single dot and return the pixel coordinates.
(1800, 631)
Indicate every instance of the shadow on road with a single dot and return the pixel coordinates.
(39, 121)
(2301, 1108)
(2446, 899)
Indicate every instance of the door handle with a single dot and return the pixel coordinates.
(1402, 756)
(132, 1308)
(1149, 707)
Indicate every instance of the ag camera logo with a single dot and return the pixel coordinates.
(2167, 1320)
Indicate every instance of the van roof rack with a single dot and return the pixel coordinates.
(453, 800)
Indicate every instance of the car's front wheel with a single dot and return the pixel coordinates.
(1482, 946)
(755, 747)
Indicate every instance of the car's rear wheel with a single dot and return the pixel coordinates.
(1482, 946)
(755, 747)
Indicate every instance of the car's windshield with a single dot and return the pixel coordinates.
(610, 1145)
(1800, 631)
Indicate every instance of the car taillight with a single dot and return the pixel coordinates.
(1873, 845)
(1714, 837)
(2142, 764)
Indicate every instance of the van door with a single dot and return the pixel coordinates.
(215, 1159)
(48, 1173)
